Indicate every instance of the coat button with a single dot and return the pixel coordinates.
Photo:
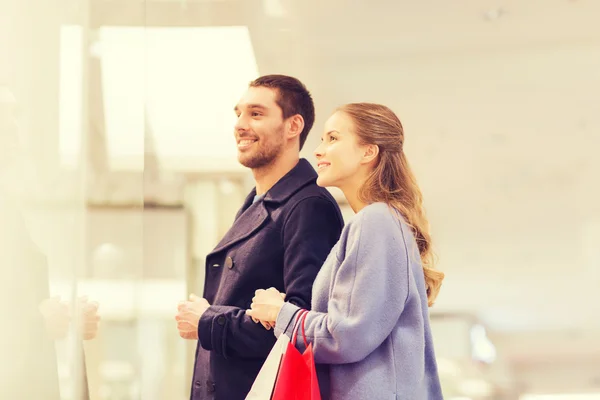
(198, 384)
(221, 320)
(229, 262)
(210, 386)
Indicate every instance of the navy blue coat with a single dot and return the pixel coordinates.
(281, 241)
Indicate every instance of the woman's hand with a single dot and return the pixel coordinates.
(265, 307)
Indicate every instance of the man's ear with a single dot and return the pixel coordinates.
(296, 125)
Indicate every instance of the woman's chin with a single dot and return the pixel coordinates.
(321, 181)
(324, 181)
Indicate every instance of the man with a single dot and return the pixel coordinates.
(280, 238)
(30, 319)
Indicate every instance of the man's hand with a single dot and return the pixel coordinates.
(56, 317)
(188, 316)
(89, 318)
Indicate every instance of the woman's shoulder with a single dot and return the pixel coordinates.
(376, 215)
(373, 221)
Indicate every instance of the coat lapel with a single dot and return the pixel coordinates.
(248, 222)
(251, 217)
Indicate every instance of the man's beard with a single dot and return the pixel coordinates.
(266, 153)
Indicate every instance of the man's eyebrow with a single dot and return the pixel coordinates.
(255, 106)
(260, 106)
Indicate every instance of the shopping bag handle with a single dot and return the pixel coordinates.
(300, 322)
(292, 319)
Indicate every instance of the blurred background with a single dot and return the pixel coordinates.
(128, 176)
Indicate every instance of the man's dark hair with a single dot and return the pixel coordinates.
(292, 97)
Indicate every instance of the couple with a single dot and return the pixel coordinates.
(373, 280)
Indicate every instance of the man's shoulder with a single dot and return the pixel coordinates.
(312, 193)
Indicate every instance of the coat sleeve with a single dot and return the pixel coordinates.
(309, 232)
(369, 292)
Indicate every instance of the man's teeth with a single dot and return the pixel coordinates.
(246, 142)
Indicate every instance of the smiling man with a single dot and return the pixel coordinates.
(280, 238)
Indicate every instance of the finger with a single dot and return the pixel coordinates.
(90, 330)
(185, 316)
(189, 336)
(193, 297)
(181, 305)
(91, 319)
(266, 325)
(90, 308)
(251, 315)
(185, 334)
(185, 326)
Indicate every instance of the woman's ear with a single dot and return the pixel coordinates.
(371, 151)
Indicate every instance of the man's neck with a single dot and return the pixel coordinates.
(267, 176)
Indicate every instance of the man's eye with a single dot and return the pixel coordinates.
(332, 138)
(256, 114)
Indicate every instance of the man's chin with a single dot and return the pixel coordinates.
(252, 162)
(248, 161)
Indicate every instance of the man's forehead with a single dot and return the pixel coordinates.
(258, 96)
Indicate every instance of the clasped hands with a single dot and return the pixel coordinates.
(265, 307)
(58, 315)
(264, 310)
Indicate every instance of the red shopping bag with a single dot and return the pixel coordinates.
(297, 378)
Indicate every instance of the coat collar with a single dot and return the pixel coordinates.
(299, 176)
(251, 217)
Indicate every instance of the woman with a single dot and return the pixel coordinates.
(369, 319)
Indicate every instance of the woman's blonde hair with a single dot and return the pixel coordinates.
(392, 180)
